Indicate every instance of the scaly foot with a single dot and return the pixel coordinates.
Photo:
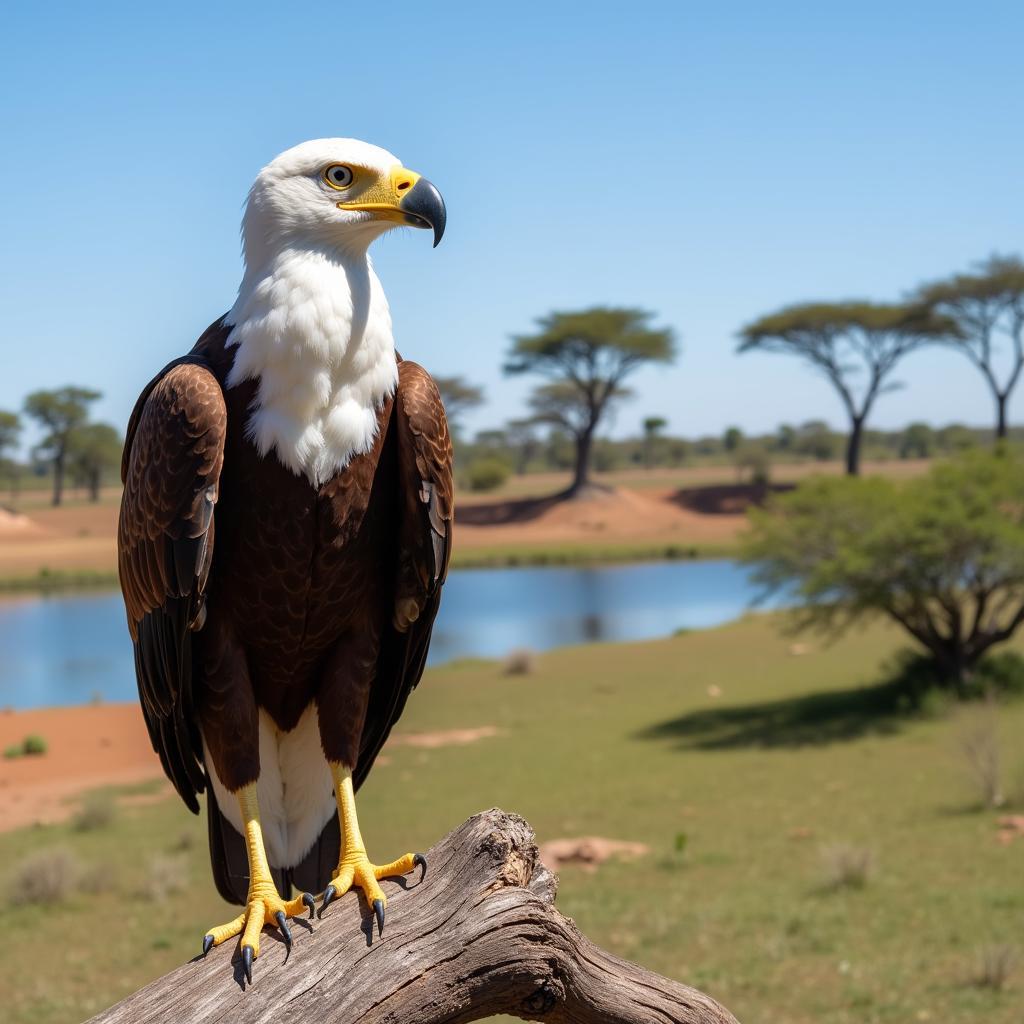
(263, 906)
(356, 869)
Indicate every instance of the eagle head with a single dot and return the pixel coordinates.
(337, 193)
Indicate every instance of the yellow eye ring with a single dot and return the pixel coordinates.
(339, 176)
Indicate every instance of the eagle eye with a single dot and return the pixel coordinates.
(338, 176)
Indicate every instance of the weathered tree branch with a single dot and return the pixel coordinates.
(479, 936)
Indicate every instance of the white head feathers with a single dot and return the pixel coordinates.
(311, 322)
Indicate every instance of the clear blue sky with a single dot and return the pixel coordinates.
(707, 161)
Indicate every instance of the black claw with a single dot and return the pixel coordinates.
(282, 923)
(378, 909)
(307, 898)
(207, 944)
(329, 893)
(247, 963)
(418, 858)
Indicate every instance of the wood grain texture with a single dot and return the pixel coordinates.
(479, 936)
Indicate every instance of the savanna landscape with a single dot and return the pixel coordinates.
(696, 538)
(812, 849)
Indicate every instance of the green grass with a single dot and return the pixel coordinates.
(48, 581)
(797, 754)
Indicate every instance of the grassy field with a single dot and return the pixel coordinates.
(795, 753)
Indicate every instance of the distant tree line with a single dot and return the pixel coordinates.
(585, 357)
(71, 444)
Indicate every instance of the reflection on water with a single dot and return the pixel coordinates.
(67, 650)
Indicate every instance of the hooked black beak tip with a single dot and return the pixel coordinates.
(424, 207)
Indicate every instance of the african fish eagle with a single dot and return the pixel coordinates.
(284, 535)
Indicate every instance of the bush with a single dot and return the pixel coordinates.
(994, 967)
(847, 866)
(166, 877)
(941, 555)
(97, 811)
(45, 877)
(487, 474)
(29, 746)
(34, 745)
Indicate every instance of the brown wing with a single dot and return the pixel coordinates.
(171, 468)
(425, 540)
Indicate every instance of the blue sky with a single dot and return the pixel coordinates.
(708, 162)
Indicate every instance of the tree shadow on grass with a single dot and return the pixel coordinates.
(809, 720)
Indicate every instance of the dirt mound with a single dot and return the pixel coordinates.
(15, 526)
(726, 499)
(588, 851)
(614, 516)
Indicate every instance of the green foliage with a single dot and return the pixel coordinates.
(654, 425)
(732, 439)
(586, 355)
(987, 307)
(487, 474)
(59, 413)
(942, 555)
(755, 460)
(30, 746)
(93, 451)
(10, 431)
(842, 339)
(34, 745)
(918, 441)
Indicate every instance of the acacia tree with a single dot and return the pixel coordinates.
(653, 426)
(843, 339)
(586, 355)
(93, 450)
(987, 306)
(59, 413)
(942, 555)
(10, 431)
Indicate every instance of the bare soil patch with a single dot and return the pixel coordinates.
(444, 738)
(87, 747)
(588, 851)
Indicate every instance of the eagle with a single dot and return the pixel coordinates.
(284, 534)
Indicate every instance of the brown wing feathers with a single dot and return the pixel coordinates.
(426, 498)
(171, 469)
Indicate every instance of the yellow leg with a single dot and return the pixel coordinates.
(354, 867)
(263, 903)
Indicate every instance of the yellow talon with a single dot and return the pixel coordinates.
(263, 903)
(354, 867)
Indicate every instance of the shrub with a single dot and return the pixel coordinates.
(994, 967)
(520, 662)
(100, 878)
(97, 811)
(45, 877)
(166, 877)
(979, 745)
(34, 745)
(487, 474)
(847, 866)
